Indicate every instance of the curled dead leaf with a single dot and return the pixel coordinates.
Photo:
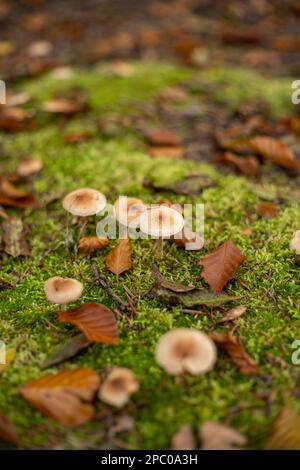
(89, 245)
(275, 150)
(268, 210)
(119, 259)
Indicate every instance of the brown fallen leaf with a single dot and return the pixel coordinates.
(7, 431)
(12, 197)
(89, 245)
(173, 286)
(268, 210)
(166, 151)
(236, 351)
(276, 150)
(77, 137)
(285, 434)
(64, 396)
(216, 436)
(163, 138)
(233, 313)
(15, 119)
(184, 439)
(248, 166)
(221, 264)
(119, 259)
(68, 350)
(14, 237)
(97, 322)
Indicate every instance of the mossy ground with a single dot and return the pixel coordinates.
(267, 283)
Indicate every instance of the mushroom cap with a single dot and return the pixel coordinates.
(128, 210)
(295, 242)
(29, 166)
(84, 202)
(186, 350)
(118, 386)
(60, 290)
(161, 221)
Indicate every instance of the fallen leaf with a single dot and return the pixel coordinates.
(68, 350)
(171, 152)
(97, 322)
(191, 185)
(118, 259)
(64, 396)
(12, 197)
(14, 234)
(77, 137)
(268, 210)
(276, 150)
(9, 357)
(285, 434)
(248, 166)
(163, 138)
(173, 286)
(231, 34)
(184, 439)
(89, 245)
(67, 106)
(15, 119)
(192, 298)
(221, 264)
(234, 313)
(216, 436)
(236, 351)
(7, 431)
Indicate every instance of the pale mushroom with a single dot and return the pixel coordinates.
(186, 350)
(28, 167)
(61, 290)
(119, 385)
(295, 242)
(128, 210)
(161, 222)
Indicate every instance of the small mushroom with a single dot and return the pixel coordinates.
(118, 386)
(61, 290)
(295, 242)
(186, 350)
(29, 167)
(84, 202)
(128, 211)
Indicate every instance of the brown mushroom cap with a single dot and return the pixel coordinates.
(161, 221)
(84, 202)
(118, 386)
(185, 350)
(61, 290)
(29, 167)
(295, 242)
(128, 210)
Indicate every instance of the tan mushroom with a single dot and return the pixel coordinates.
(128, 210)
(295, 242)
(62, 291)
(119, 385)
(186, 350)
(29, 167)
(84, 202)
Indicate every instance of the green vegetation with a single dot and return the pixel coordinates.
(267, 283)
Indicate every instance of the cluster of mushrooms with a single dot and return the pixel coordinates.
(179, 350)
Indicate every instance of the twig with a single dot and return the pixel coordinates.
(101, 280)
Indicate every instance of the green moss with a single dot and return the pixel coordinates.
(267, 283)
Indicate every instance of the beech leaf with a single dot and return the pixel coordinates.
(118, 259)
(64, 396)
(192, 298)
(190, 185)
(68, 350)
(173, 286)
(276, 150)
(221, 264)
(14, 234)
(97, 322)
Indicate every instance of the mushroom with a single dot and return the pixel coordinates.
(29, 167)
(161, 222)
(84, 202)
(128, 210)
(118, 386)
(185, 350)
(295, 242)
(60, 290)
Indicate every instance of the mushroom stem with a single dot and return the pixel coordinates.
(160, 248)
(63, 307)
(82, 228)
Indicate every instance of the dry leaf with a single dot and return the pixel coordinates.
(68, 350)
(184, 439)
(7, 431)
(285, 433)
(221, 264)
(191, 298)
(215, 436)
(14, 234)
(276, 150)
(173, 286)
(190, 185)
(89, 245)
(77, 137)
(13, 197)
(118, 259)
(248, 166)
(268, 210)
(64, 396)
(234, 313)
(164, 151)
(163, 138)
(236, 351)
(97, 322)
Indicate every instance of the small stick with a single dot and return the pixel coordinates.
(101, 280)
